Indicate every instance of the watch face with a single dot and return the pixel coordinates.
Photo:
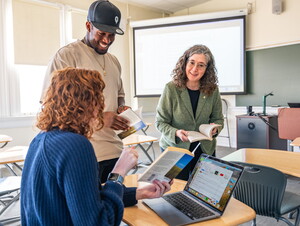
(115, 177)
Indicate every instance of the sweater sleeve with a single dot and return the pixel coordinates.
(216, 114)
(74, 166)
(129, 197)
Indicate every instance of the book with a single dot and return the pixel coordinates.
(168, 165)
(204, 133)
(135, 123)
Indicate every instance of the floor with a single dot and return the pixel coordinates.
(293, 186)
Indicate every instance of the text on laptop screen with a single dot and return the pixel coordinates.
(215, 180)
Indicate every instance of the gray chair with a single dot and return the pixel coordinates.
(263, 189)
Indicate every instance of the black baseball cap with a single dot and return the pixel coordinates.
(105, 16)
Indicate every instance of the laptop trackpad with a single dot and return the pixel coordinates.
(167, 212)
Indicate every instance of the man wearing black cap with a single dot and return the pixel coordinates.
(102, 24)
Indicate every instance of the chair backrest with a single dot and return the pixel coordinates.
(224, 107)
(262, 188)
(288, 123)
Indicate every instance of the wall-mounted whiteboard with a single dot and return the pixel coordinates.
(158, 44)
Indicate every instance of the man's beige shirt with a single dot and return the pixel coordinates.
(106, 143)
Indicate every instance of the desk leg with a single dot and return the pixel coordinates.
(19, 167)
(7, 143)
(11, 169)
(145, 129)
(289, 146)
(146, 150)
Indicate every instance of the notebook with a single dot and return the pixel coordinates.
(206, 193)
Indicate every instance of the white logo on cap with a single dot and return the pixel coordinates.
(116, 19)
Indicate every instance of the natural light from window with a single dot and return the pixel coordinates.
(31, 79)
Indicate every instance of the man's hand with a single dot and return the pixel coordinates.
(154, 190)
(122, 108)
(182, 134)
(112, 120)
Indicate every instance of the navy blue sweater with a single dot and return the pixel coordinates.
(60, 184)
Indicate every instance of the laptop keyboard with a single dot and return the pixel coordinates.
(187, 206)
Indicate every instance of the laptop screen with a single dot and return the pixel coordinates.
(213, 181)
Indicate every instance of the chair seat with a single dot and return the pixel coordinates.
(290, 202)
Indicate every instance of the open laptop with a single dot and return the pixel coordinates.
(205, 195)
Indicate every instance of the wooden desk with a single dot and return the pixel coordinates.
(235, 214)
(4, 139)
(285, 161)
(138, 140)
(296, 142)
(13, 156)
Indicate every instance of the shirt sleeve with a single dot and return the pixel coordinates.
(164, 116)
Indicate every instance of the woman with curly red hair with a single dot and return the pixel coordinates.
(192, 98)
(60, 181)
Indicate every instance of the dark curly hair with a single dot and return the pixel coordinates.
(209, 82)
(73, 102)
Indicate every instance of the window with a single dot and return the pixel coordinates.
(33, 31)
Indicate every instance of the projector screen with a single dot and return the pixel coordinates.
(157, 48)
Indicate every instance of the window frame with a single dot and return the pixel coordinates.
(10, 112)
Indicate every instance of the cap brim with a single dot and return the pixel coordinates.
(107, 28)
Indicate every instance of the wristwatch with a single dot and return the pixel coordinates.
(115, 178)
(120, 106)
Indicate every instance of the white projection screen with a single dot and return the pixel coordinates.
(157, 48)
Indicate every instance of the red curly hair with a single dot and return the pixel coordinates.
(73, 102)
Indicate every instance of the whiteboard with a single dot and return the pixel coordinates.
(158, 47)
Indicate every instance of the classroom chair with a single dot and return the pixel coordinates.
(289, 124)
(264, 190)
(225, 115)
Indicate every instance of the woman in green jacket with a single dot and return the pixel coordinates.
(192, 98)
